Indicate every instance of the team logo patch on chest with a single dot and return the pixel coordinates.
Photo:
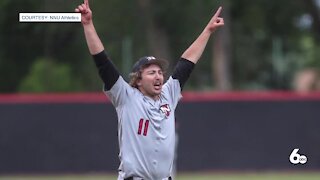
(165, 109)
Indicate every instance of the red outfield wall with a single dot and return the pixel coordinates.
(187, 97)
(217, 131)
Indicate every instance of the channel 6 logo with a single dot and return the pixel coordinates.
(296, 158)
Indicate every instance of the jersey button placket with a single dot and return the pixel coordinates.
(156, 150)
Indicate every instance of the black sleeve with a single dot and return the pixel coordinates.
(182, 71)
(107, 71)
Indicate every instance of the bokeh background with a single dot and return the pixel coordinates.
(264, 45)
(271, 48)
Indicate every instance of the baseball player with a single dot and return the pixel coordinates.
(145, 106)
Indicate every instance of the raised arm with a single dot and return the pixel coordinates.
(107, 71)
(93, 41)
(194, 52)
(191, 56)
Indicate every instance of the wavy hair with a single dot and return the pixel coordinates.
(135, 76)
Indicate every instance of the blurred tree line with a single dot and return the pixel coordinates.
(262, 46)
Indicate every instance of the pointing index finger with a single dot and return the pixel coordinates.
(217, 14)
(86, 2)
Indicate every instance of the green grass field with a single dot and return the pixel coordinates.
(185, 176)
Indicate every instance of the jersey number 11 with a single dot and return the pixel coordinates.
(146, 126)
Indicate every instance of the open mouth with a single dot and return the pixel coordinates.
(157, 85)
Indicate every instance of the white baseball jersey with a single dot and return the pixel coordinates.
(146, 129)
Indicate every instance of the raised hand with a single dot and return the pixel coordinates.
(86, 13)
(215, 21)
(195, 50)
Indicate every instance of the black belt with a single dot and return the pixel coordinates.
(131, 178)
